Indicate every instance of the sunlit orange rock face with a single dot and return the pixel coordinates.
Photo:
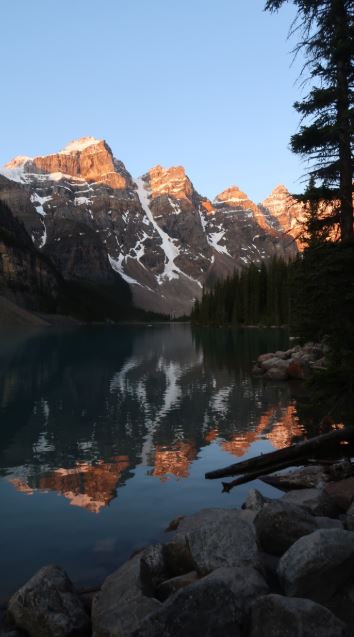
(236, 198)
(170, 181)
(86, 158)
(287, 212)
(175, 183)
(89, 486)
(291, 214)
(174, 461)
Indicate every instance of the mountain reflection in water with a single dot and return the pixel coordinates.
(88, 411)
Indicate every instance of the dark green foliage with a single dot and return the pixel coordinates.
(322, 297)
(258, 295)
(325, 32)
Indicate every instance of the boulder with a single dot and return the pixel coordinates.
(265, 357)
(215, 605)
(342, 605)
(153, 568)
(275, 362)
(297, 369)
(349, 518)
(317, 565)
(255, 501)
(228, 541)
(341, 492)
(317, 501)
(277, 372)
(278, 616)
(314, 476)
(207, 523)
(279, 524)
(304, 478)
(248, 515)
(48, 606)
(170, 586)
(121, 605)
(328, 523)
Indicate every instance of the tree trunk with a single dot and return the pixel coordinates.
(343, 121)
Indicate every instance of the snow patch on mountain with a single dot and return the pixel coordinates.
(117, 266)
(79, 145)
(38, 202)
(213, 240)
(171, 251)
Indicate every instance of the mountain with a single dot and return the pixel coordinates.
(98, 226)
(283, 212)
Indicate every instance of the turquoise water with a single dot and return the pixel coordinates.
(106, 433)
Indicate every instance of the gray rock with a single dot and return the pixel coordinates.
(278, 616)
(204, 516)
(170, 586)
(48, 606)
(341, 492)
(248, 515)
(177, 556)
(305, 478)
(276, 373)
(314, 476)
(121, 605)
(215, 605)
(265, 357)
(279, 524)
(342, 605)
(317, 565)
(317, 501)
(272, 362)
(255, 501)
(227, 541)
(328, 523)
(177, 552)
(153, 568)
(349, 518)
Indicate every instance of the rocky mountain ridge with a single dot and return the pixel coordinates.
(84, 210)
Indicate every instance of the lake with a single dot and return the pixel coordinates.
(106, 434)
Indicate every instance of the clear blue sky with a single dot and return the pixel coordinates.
(203, 83)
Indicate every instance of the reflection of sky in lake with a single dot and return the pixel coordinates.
(106, 434)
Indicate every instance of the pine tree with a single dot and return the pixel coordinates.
(327, 40)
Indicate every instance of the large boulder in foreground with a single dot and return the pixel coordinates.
(227, 541)
(215, 605)
(121, 605)
(48, 606)
(210, 539)
(278, 616)
(317, 565)
(279, 524)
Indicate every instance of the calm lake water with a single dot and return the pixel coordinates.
(106, 434)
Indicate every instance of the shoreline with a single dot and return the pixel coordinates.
(229, 550)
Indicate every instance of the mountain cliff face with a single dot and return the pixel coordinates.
(26, 276)
(283, 212)
(96, 224)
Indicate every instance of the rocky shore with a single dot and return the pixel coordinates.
(274, 568)
(293, 364)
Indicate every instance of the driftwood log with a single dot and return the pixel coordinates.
(330, 443)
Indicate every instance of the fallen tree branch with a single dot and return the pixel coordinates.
(253, 475)
(265, 462)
